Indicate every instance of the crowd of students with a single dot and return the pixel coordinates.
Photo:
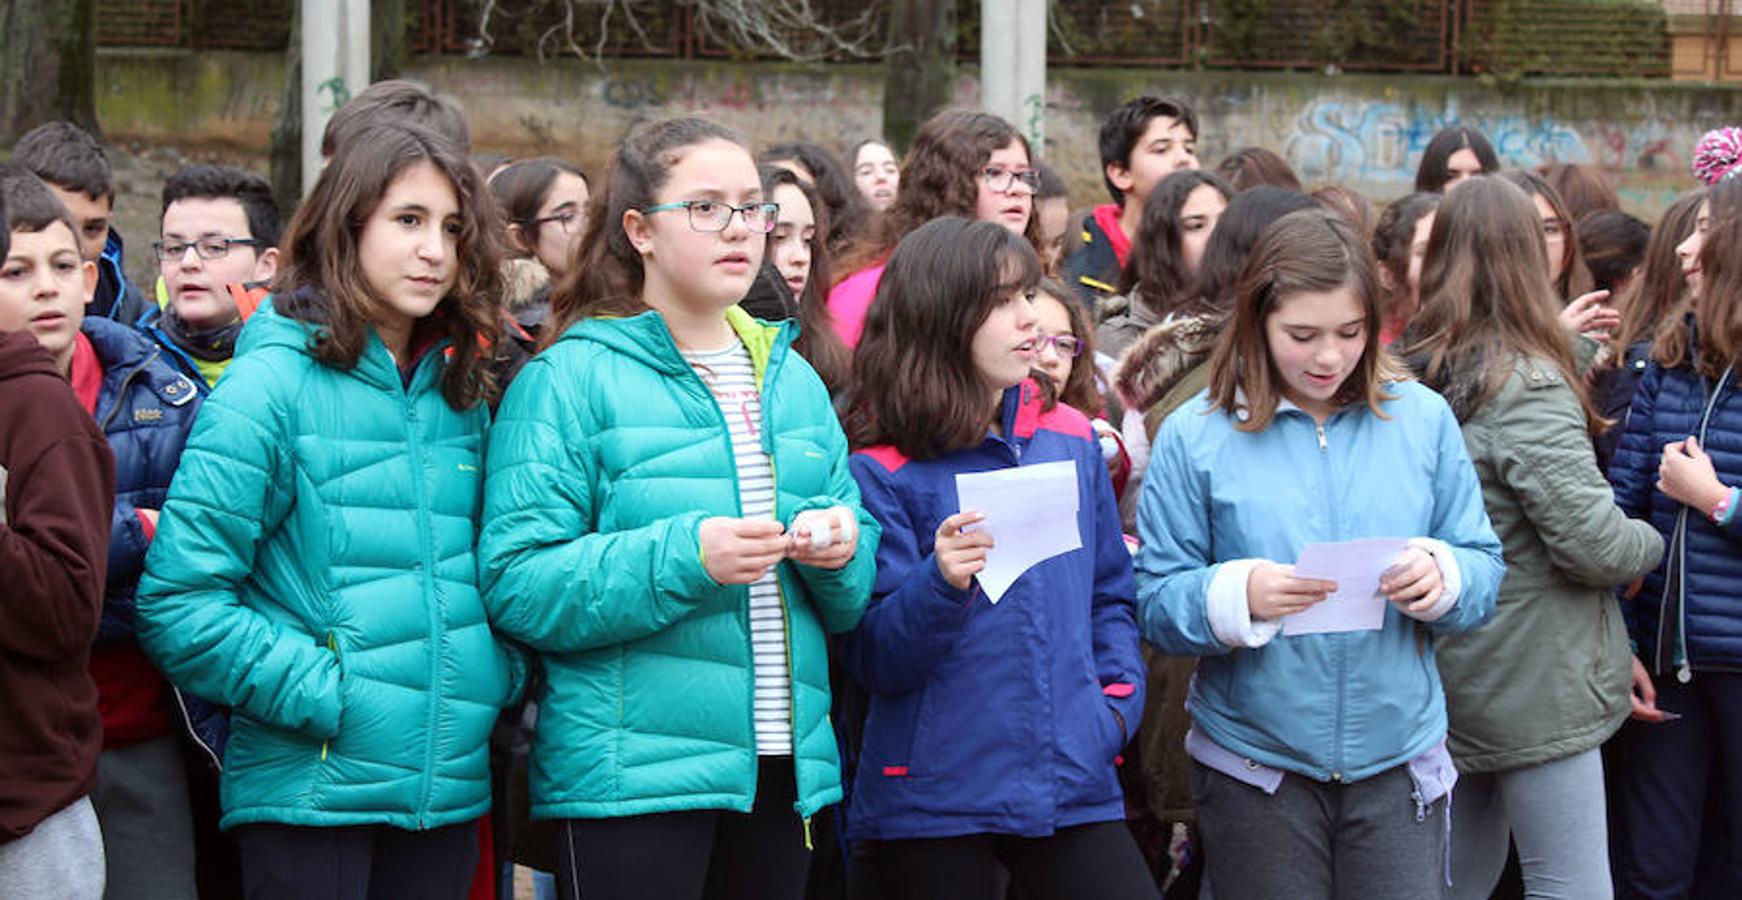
(490, 513)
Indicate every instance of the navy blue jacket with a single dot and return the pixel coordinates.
(116, 298)
(145, 409)
(1670, 405)
(990, 718)
(1612, 392)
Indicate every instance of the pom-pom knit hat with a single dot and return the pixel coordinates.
(1718, 155)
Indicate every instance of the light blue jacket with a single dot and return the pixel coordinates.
(1327, 706)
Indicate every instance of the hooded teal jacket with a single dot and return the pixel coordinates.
(609, 453)
(313, 569)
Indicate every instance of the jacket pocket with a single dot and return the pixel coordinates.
(332, 644)
(1114, 732)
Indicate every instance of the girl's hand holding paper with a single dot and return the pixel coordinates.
(961, 554)
(1412, 581)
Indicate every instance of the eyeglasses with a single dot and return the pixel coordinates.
(1062, 344)
(713, 215)
(566, 220)
(1001, 179)
(206, 248)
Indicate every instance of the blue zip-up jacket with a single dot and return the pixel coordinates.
(116, 298)
(991, 718)
(145, 409)
(1339, 707)
(1705, 559)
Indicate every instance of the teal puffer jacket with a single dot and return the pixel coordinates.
(313, 569)
(608, 454)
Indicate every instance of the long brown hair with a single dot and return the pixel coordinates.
(914, 381)
(1575, 280)
(817, 340)
(1717, 314)
(320, 279)
(1306, 250)
(1659, 287)
(608, 273)
(1393, 238)
(940, 177)
(1486, 300)
(1155, 275)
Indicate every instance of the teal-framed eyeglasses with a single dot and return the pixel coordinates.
(715, 215)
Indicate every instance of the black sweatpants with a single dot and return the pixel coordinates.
(1099, 860)
(700, 855)
(357, 862)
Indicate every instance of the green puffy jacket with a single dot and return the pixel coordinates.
(1549, 675)
(608, 453)
(314, 569)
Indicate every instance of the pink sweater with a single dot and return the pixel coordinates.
(849, 301)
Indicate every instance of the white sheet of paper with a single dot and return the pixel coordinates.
(1356, 604)
(1031, 513)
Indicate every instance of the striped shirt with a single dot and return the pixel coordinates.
(731, 377)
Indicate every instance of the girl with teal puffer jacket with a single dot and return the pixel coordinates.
(672, 524)
(313, 567)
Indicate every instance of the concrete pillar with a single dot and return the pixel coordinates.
(1013, 65)
(335, 67)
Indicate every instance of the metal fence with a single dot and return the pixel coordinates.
(1572, 37)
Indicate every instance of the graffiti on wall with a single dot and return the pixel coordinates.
(1334, 140)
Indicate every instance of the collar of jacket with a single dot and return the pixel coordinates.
(375, 366)
(645, 337)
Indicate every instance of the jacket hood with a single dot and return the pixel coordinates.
(646, 338)
(525, 281)
(118, 346)
(1153, 364)
(20, 355)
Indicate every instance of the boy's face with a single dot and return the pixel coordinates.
(197, 286)
(92, 215)
(1166, 146)
(44, 286)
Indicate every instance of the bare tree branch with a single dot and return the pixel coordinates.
(796, 30)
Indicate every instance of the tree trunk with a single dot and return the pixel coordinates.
(388, 25)
(286, 147)
(920, 69)
(48, 65)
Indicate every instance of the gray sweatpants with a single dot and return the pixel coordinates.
(1315, 841)
(141, 799)
(62, 857)
(1554, 812)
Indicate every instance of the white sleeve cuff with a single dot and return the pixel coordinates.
(1452, 582)
(1230, 614)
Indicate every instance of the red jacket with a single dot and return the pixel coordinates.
(57, 482)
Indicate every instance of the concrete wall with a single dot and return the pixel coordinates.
(1366, 131)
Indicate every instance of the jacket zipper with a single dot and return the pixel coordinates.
(1338, 648)
(1684, 671)
(187, 725)
(427, 577)
(792, 690)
